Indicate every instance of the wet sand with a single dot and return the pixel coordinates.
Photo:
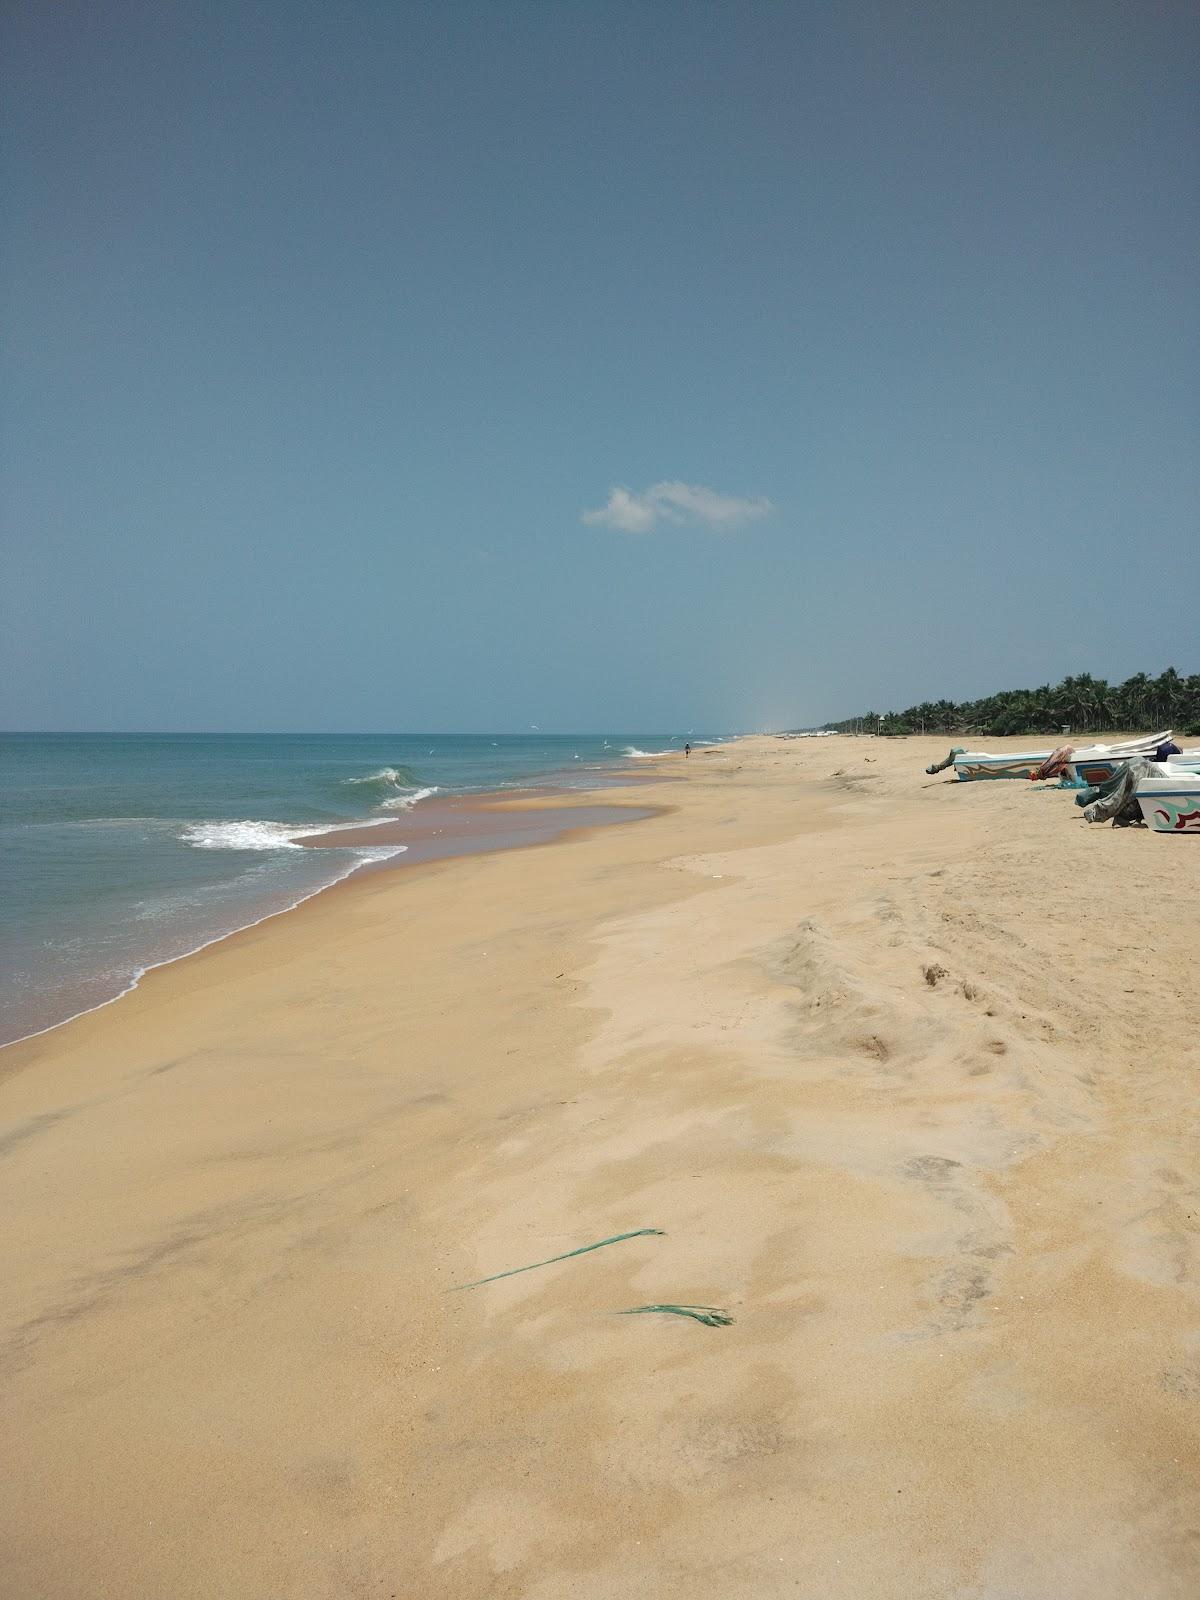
(905, 1071)
(461, 825)
(437, 828)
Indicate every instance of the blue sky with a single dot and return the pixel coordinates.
(327, 326)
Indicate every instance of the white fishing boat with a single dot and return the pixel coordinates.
(974, 764)
(1169, 799)
(1089, 772)
(1097, 763)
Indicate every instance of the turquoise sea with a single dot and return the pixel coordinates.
(121, 851)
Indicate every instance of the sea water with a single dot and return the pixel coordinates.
(122, 851)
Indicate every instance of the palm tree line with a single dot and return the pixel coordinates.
(1141, 703)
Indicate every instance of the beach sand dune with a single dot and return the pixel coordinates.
(904, 1070)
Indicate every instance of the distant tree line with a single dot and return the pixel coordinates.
(1142, 704)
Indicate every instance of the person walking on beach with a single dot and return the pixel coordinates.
(687, 751)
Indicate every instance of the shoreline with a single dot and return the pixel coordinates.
(532, 799)
(414, 847)
(824, 1049)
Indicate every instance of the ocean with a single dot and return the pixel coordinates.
(121, 851)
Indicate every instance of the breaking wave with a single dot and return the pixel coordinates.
(405, 802)
(387, 778)
(251, 835)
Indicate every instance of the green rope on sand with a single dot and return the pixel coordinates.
(566, 1256)
(710, 1316)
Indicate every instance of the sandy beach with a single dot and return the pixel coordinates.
(905, 1072)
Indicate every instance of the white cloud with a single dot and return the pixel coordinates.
(671, 501)
(632, 513)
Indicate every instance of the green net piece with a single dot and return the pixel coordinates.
(550, 1260)
(710, 1316)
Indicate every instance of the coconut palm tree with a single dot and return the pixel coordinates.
(1080, 700)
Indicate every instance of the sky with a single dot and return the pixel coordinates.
(457, 367)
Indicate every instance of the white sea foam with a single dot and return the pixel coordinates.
(644, 755)
(405, 802)
(252, 835)
(247, 835)
(384, 775)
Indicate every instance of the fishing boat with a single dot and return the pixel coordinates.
(1097, 763)
(974, 764)
(1169, 799)
(1084, 771)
